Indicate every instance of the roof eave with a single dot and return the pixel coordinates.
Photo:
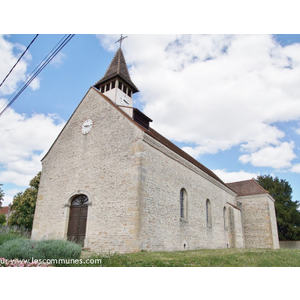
(109, 78)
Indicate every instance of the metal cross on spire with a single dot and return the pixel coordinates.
(120, 40)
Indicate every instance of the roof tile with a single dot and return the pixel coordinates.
(247, 187)
(117, 67)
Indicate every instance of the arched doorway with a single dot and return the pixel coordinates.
(77, 219)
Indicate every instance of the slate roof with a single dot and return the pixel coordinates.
(117, 67)
(247, 187)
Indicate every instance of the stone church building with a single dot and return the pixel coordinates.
(114, 184)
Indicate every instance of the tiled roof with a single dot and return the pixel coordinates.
(4, 210)
(247, 187)
(117, 67)
(181, 153)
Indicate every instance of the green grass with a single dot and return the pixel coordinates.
(204, 258)
(14, 245)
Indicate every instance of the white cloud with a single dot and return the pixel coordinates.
(9, 196)
(35, 84)
(296, 168)
(7, 60)
(217, 91)
(234, 176)
(275, 157)
(26, 141)
(9, 54)
(57, 61)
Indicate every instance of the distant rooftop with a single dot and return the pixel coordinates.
(4, 210)
(247, 187)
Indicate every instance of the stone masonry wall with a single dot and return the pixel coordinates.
(259, 220)
(289, 244)
(133, 183)
(164, 174)
(100, 165)
(234, 226)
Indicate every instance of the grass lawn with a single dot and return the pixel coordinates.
(204, 258)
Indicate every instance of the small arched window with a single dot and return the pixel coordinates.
(208, 213)
(183, 204)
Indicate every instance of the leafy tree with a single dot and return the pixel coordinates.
(1, 195)
(2, 219)
(287, 210)
(24, 205)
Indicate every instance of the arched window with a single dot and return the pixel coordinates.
(224, 218)
(208, 213)
(80, 200)
(183, 204)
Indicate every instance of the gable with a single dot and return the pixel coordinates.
(90, 111)
(151, 132)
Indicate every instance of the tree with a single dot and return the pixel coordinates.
(1, 195)
(2, 219)
(287, 210)
(24, 205)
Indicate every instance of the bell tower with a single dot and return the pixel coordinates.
(116, 83)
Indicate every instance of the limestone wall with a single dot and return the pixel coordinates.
(133, 183)
(289, 244)
(164, 175)
(99, 164)
(259, 221)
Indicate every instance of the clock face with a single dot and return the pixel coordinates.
(124, 100)
(86, 126)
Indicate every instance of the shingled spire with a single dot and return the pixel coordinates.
(117, 69)
(117, 85)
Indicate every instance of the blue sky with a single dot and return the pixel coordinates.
(231, 101)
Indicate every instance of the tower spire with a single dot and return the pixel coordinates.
(117, 69)
(116, 83)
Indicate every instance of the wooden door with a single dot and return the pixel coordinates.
(77, 219)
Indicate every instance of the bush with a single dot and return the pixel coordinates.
(18, 249)
(40, 250)
(21, 231)
(8, 233)
(2, 219)
(8, 236)
(57, 249)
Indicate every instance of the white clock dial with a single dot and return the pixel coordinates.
(124, 100)
(86, 126)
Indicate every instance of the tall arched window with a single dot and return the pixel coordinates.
(224, 218)
(208, 213)
(183, 204)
